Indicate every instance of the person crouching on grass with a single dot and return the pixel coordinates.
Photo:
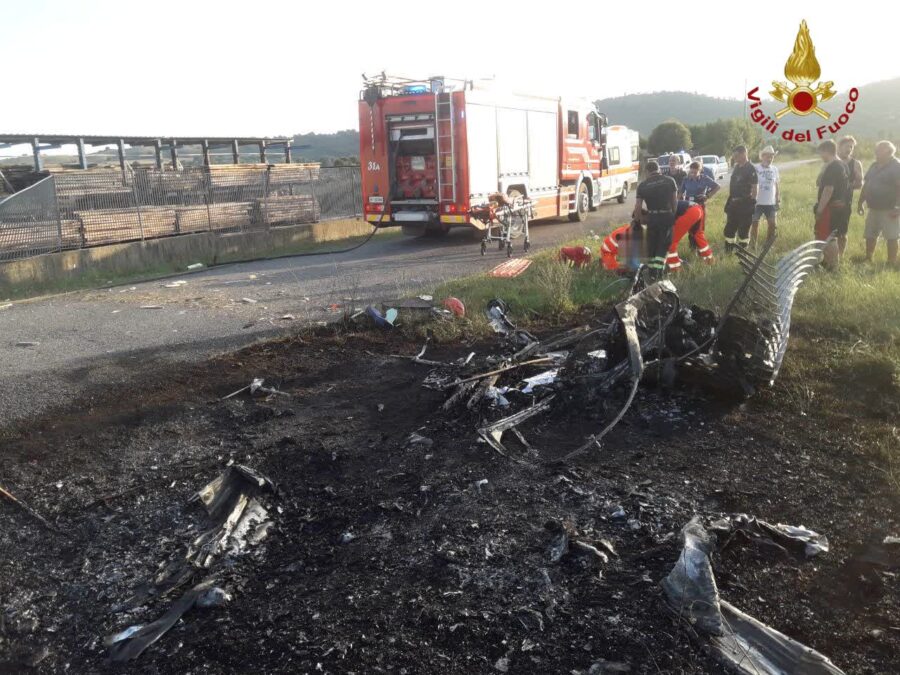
(832, 186)
(881, 193)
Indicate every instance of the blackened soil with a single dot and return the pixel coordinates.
(432, 557)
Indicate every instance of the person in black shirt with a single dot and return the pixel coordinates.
(741, 201)
(676, 172)
(660, 194)
(833, 185)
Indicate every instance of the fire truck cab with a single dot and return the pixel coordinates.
(433, 149)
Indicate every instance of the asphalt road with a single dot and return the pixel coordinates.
(94, 338)
(91, 338)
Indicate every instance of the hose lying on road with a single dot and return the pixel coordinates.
(365, 241)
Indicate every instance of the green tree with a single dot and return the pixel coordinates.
(669, 136)
(719, 137)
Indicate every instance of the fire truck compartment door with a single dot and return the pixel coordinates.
(512, 141)
(481, 124)
(543, 159)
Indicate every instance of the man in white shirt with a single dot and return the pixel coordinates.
(768, 199)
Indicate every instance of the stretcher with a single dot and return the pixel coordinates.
(504, 218)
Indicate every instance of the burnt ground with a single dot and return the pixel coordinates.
(444, 572)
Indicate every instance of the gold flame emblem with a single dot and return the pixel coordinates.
(802, 69)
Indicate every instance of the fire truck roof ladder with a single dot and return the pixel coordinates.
(446, 157)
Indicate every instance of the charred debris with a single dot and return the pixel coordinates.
(651, 336)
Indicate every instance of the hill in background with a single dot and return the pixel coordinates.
(645, 111)
(315, 147)
(877, 114)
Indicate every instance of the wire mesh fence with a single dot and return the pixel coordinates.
(30, 223)
(90, 208)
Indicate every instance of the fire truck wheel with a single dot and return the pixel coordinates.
(624, 194)
(582, 204)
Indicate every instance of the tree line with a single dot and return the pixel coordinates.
(713, 138)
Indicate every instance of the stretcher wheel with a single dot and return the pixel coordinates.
(509, 249)
(527, 245)
(483, 248)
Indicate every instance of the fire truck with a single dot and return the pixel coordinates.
(432, 150)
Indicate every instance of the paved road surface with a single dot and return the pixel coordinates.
(95, 337)
(92, 337)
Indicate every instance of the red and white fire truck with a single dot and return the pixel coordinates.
(431, 150)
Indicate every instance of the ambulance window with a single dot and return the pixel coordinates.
(573, 123)
(614, 156)
(635, 153)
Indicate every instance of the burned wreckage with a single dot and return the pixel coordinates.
(650, 335)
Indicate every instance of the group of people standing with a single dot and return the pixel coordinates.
(755, 194)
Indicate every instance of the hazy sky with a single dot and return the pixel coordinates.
(269, 68)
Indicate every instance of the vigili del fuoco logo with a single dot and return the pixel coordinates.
(804, 98)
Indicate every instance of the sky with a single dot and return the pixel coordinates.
(266, 68)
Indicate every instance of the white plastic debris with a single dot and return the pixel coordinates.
(195, 266)
(249, 301)
(541, 379)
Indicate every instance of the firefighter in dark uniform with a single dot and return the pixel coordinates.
(741, 200)
(660, 195)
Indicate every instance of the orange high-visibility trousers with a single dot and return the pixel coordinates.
(692, 222)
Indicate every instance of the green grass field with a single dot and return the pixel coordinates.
(857, 302)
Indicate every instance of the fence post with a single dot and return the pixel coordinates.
(266, 200)
(58, 217)
(207, 195)
(137, 206)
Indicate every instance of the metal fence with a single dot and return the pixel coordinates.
(88, 208)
